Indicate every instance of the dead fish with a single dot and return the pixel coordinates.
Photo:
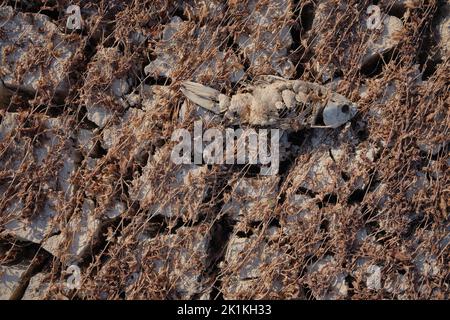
(276, 102)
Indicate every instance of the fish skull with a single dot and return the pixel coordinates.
(338, 111)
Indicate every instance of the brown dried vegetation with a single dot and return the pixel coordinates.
(370, 196)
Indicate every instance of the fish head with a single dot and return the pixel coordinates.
(338, 111)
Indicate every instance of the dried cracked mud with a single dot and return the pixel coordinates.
(86, 178)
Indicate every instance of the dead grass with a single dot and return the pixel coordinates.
(403, 207)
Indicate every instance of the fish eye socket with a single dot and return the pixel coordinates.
(345, 108)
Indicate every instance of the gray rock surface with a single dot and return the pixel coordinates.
(11, 279)
(36, 53)
(389, 38)
(77, 237)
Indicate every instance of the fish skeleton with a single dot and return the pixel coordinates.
(276, 102)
